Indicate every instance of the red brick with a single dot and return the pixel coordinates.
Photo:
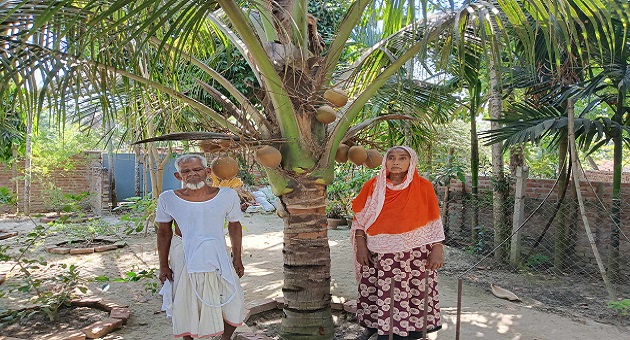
(336, 306)
(77, 251)
(58, 250)
(120, 244)
(109, 306)
(105, 248)
(252, 336)
(87, 302)
(4, 235)
(260, 306)
(100, 328)
(350, 306)
(68, 335)
(120, 313)
(280, 304)
(246, 315)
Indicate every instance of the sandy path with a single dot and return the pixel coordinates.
(484, 316)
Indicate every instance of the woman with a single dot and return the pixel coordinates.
(397, 237)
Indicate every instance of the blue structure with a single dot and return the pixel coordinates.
(125, 176)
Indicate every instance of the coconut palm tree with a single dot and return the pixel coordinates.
(280, 42)
(294, 72)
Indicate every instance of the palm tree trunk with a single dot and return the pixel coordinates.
(113, 198)
(306, 289)
(137, 171)
(14, 174)
(500, 189)
(560, 241)
(613, 252)
(474, 162)
(28, 164)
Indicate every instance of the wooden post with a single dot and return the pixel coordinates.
(576, 180)
(519, 211)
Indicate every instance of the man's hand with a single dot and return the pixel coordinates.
(436, 257)
(238, 267)
(166, 273)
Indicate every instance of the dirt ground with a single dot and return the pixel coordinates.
(577, 314)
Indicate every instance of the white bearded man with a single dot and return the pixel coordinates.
(205, 298)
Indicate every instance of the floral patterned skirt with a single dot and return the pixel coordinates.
(407, 271)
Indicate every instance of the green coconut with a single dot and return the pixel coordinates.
(357, 154)
(325, 114)
(268, 156)
(225, 168)
(374, 158)
(341, 155)
(336, 97)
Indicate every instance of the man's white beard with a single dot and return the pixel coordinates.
(195, 186)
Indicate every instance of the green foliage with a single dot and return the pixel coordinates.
(542, 161)
(135, 275)
(7, 197)
(347, 183)
(448, 171)
(538, 261)
(53, 149)
(87, 232)
(12, 135)
(58, 201)
(140, 213)
(49, 291)
(484, 241)
(622, 306)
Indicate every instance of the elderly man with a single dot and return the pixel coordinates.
(207, 298)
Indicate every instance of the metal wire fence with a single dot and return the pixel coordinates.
(568, 254)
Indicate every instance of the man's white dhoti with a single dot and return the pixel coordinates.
(201, 314)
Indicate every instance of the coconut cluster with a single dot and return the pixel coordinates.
(326, 114)
(358, 155)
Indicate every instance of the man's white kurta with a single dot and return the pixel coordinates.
(206, 289)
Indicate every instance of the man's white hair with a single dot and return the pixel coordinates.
(188, 158)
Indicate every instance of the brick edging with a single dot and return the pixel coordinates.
(118, 316)
(57, 249)
(265, 305)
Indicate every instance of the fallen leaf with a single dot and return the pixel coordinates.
(503, 293)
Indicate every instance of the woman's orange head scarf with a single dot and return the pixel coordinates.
(394, 209)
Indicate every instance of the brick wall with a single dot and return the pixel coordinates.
(459, 216)
(88, 175)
